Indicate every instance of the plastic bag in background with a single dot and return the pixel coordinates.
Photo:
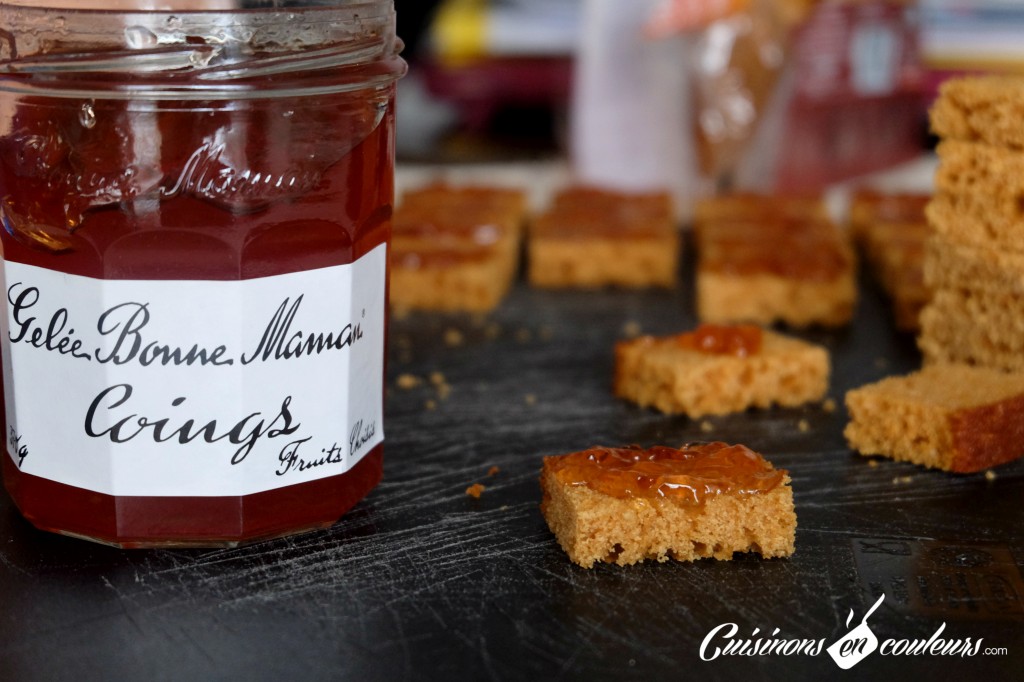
(764, 95)
(794, 95)
(737, 63)
(631, 111)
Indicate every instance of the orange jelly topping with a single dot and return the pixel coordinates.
(740, 340)
(688, 475)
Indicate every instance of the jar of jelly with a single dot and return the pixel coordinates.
(195, 209)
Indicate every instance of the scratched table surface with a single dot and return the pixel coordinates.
(421, 581)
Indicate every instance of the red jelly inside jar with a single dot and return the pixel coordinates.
(197, 172)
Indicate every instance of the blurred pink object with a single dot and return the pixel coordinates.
(858, 99)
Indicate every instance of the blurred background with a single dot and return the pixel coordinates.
(696, 96)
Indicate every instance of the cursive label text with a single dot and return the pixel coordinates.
(245, 432)
(279, 342)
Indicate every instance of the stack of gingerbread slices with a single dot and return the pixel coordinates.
(975, 260)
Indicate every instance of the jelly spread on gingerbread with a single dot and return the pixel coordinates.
(808, 260)
(741, 340)
(587, 213)
(794, 248)
(595, 222)
(689, 475)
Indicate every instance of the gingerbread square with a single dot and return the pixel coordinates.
(593, 238)
(455, 249)
(793, 267)
(625, 505)
(946, 416)
(718, 369)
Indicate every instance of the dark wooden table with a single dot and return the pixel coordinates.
(421, 581)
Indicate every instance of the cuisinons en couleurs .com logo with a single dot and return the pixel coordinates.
(857, 644)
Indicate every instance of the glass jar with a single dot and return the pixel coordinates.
(195, 211)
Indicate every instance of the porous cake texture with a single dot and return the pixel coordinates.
(795, 267)
(593, 238)
(947, 416)
(677, 379)
(988, 109)
(966, 167)
(974, 327)
(999, 312)
(983, 268)
(735, 514)
(978, 219)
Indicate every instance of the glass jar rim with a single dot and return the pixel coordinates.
(248, 53)
(126, 6)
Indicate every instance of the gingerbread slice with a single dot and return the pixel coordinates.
(718, 369)
(625, 505)
(946, 416)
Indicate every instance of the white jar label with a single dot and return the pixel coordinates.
(193, 388)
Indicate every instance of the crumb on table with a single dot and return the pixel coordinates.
(475, 490)
(453, 337)
(407, 382)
